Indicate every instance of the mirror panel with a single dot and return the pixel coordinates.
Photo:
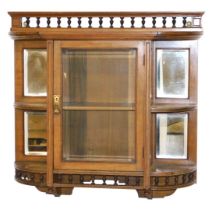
(35, 72)
(172, 73)
(35, 133)
(172, 135)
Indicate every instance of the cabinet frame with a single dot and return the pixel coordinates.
(177, 105)
(19, 71)
(25, 103)
(191, 141)
(146, 31)
(191, 46)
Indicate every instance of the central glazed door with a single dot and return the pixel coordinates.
(99, 105)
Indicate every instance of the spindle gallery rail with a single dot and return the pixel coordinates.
(106, 20)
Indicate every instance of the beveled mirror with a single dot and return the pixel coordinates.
(172, 73)
(35, 133)
(172, 129)
(35, 72)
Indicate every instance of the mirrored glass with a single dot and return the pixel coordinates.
(172, 73)
(35, 72)
(172, 132)
(35, 133)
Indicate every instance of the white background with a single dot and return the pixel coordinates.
(14, 195)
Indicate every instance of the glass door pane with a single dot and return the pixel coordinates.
(99, 77)
(99, 105)
(99, 135)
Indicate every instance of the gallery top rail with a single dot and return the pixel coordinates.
(147, 22)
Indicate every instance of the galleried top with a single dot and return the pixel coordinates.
(106, 25)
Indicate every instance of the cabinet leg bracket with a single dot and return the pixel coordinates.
(149, 193)
(56, 191)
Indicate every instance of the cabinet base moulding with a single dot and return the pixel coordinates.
(161, 186)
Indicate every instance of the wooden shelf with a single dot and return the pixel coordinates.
(31, 166)
(30, 106)
(172, 169)
(172, 108)
(38, 145)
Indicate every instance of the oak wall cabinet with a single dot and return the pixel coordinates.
(106, 99)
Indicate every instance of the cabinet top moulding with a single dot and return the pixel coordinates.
(106, 25)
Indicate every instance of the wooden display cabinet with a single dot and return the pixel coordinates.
(106, 99)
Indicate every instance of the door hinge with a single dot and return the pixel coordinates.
(144, 59)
